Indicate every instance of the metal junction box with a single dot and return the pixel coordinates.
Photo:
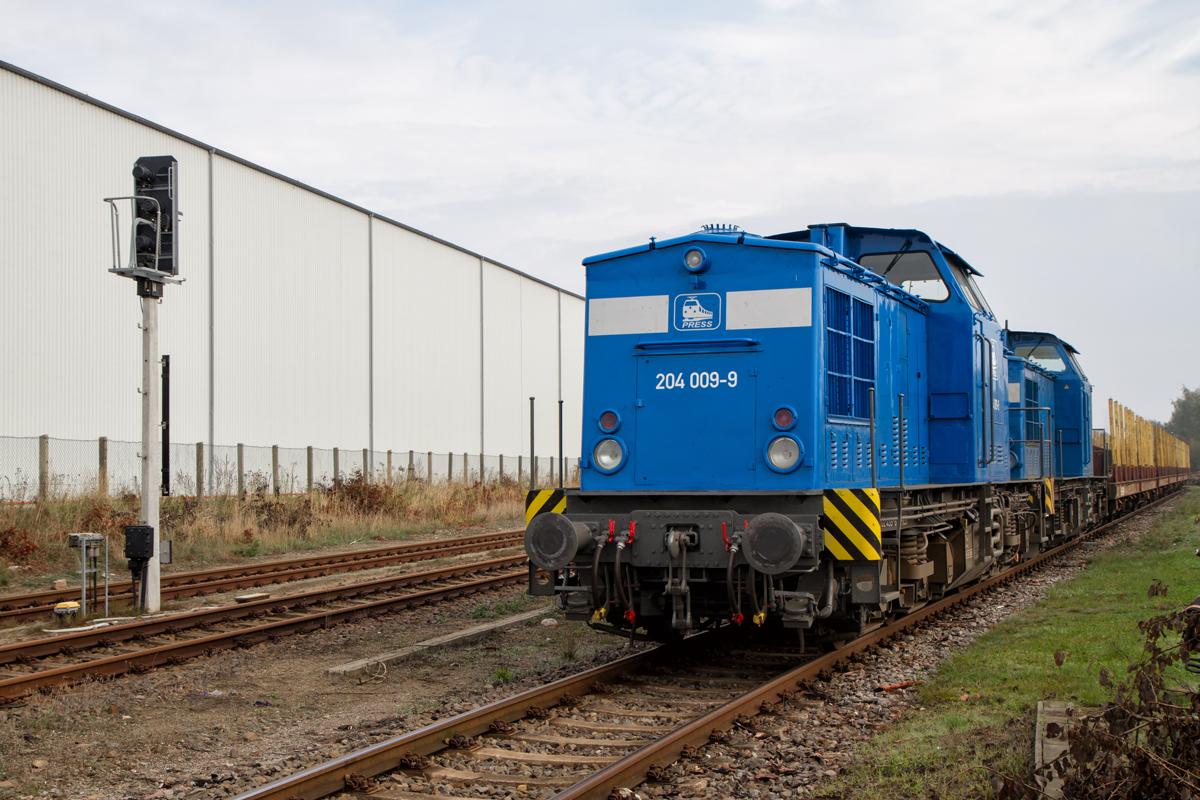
(139, 541)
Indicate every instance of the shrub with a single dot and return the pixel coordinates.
(1146, 743)
(16, 546)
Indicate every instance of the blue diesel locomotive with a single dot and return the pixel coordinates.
(812, 430)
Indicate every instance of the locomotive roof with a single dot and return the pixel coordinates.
(797, 240)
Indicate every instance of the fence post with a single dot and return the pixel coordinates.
(102, 476)
(199, 470)
(429, 467)
(411, 474)
(449, 467)
(466, 469)
(337, 475)
(366, 465)
(501, 475)
(520, 469)
(481, 467)
(44, 467)
(275, 468)
(241, 458)
(389, 468)
(310, 468)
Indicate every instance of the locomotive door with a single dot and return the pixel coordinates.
(904, 385)
(991, 435)
(695, 421)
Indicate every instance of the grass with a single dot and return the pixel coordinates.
(34, 536)
(951, 748)
(500, 608)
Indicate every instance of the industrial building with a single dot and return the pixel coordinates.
(317, 324)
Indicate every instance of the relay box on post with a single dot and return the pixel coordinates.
(139, 542)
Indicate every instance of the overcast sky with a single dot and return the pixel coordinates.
(1055, 145)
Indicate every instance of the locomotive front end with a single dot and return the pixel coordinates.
(699, 490)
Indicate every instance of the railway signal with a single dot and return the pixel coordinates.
(153, 262)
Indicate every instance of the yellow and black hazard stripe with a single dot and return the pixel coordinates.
(1049, 495)
(851, 524)
(544, 501)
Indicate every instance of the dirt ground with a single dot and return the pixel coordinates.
(219, 725)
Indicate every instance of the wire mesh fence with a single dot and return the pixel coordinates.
(19, 477)
(44, 468)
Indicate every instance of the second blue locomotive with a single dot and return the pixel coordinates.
(814, 429)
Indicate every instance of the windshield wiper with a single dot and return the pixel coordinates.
(907, 244)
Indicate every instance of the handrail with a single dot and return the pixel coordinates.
(696, 343)
(1041, 440)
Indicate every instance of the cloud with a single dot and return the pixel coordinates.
(537, 132)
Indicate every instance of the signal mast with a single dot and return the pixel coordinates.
(153, 263)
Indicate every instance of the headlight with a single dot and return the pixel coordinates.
(608, 455)
(784, 453)
(695, 260)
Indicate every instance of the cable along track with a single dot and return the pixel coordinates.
(625, 722)
(145, 644)
(16, 608)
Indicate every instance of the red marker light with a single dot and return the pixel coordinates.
(784, 417)
(608, 421)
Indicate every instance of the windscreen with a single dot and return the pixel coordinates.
(1045, 356)
(914, 272)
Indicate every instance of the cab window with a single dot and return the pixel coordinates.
(960, 278)
(1075, 364)
(962, 275)
(913, 271)
(1045, 356)
(979, 294)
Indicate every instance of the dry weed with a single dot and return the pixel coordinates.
(214, 529)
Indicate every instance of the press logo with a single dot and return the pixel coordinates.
(697, 311)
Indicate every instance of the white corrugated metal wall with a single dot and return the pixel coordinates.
(321, 325)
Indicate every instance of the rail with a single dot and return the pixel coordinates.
(15, 608)
(189, 630)
(631, 770)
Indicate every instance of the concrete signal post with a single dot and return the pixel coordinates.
(153, 263)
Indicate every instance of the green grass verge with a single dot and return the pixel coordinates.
(491, 609)
(952, 748)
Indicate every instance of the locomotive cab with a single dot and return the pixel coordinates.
(1072, 399)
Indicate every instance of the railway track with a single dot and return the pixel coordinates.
(42, 664)
(39, 605)
(612, 727)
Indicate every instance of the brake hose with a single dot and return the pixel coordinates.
(626, 603)
(750, 581)
(599, 606)
(735, 600)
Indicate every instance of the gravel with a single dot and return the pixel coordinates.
(820, 733)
